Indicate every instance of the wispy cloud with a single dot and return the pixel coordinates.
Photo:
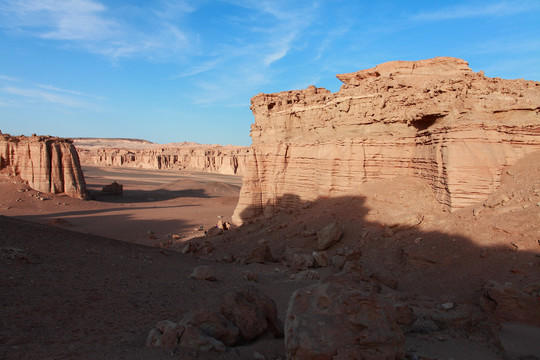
(67, 91)
(50, 94)
(93, 27)
(503, 8)
(198, 68)
(8, 78)
(271, 31)
(60, 20)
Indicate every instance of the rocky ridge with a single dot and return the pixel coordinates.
(435, 120)
(49, 164)
(146, 155)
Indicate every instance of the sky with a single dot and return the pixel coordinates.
(185, 70)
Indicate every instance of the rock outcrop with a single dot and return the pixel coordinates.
(433, 119)
(48, 164)
(143, 154)
(341, 319)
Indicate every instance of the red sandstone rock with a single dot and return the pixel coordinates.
(212, 324)
(146, 155)
(509, 303)
(252, 312)
(433, 119)
(195, 339)
(48, 164)
(341, 320)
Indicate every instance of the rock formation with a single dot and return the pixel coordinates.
(433, 119)
(341, 318)
(143, 154)
(48, 164)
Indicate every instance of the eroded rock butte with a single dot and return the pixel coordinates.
(47, 163)
(432, 119)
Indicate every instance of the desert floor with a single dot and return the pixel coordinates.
(89, 279)
(155, 204)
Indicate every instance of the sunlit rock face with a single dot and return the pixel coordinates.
(230, 160)
(432, 119)
(48, 164)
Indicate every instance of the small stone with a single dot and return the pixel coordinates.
(249, 276)
(258, 356)
(321, 259)
(447, 306)
(228, 258)
(306, 275)
(203, 273)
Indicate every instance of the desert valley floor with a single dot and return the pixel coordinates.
(89, 279)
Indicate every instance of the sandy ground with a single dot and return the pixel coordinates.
(155, 204)
(69, 291)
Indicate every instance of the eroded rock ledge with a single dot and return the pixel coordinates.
(184, 156)
(432, 119)
(49, 164)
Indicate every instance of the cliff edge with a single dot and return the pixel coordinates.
(433, 119)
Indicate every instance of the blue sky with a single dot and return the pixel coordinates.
(172, 71)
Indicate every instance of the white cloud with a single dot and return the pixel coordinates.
(199, 68)
(60, 20)
(39, 95)
(67, 91)
(8, 78)
(503, 8)
(91, 26)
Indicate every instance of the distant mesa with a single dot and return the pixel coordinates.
(144, 154)
(49, 164)
(434, 119)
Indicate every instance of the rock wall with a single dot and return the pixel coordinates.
(48, 164)
(211, 158)
(433, 119)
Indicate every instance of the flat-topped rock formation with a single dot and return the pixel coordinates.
(181, 156)
(49, 164)
(433, 119)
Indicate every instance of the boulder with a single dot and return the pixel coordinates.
(195, 339)
(212, 324)
(203, 272)
(213, 231)
(508, 303)
(321, 258)
(299, 261)
(165, 334)
(341, 320)
(260, 254)
(329, 235)
(306, 275)
(224, 225)
(253, 312)
(113, 189)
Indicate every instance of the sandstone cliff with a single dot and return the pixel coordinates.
(432, 119)
(184, 156)
(49, 164)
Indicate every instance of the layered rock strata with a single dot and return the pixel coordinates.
(48, 164)
(432, 119)
(210, 158)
